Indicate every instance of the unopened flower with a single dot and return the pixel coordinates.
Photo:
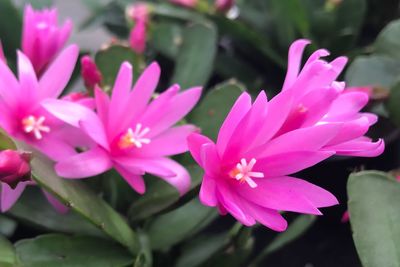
(14, 167)
(133, 133)
(139, 14)
(90, 73)
(21, 114)
(186, 3)
(224, 5)
(42, 37)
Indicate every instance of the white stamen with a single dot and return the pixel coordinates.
(136, 137)
(34, 125)
(243, 172)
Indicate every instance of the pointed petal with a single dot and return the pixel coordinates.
(294, 61)
(208, 192)
(9, 196)
(95, 130)
(195, 142)
(210, 159)
(86, 164)
(102, 104)
(132, 178)
(57, 75)
(27, 79)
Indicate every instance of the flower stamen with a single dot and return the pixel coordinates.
(34, 125)
(135, 138)
(243, 172)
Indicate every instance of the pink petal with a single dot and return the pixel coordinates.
(57, 75)
(208, 192)
(359, 148)
(291, 162)
(210, 159)
(170, 142)
(86, 164)
(102, 104)
(351, 130)
(195, 142)
(267, 217)
(294, 61)
(95, 130)
(348, 103)
(57, 205)
(9, 196)
(133, 179)
(54, 147)
(120, 96)
(28, 81)
(9, 86)
(238, 111)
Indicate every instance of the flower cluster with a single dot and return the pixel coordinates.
(248, 170)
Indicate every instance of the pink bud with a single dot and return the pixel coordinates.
(42, 36)
(14, 167)
(138, 11)
(2, 56)
(224, 5)
(345, 217)
(186, 3)
(90, 73)
(137, 37)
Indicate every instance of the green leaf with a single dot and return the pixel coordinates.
(34, 209)
(175, 12)
(63, 251)
(7, 253)
(109, 61)
(392, 104)
(166, 38)
(6, 142)
(144, 257)
(388, 41)
(7, 226)
(10, 27)
(374, 215)
(177, 225)
(161, 195)
(296, 229)
(81, 199)
(200, 249)
(38, 4)
(212, 111)
(195, 59)
(373, 70)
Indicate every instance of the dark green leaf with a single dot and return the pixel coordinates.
(7, 226)
(7, 253)
(110, 59)
(34, 209)
(195, 59)
(211, 112)
(81, 199)
(392, 104)
(39, 4)
(177, 225)
(373, 70)
(10, 27)
(167, 38)
(374, 216)
(63, 251)
(388, 41)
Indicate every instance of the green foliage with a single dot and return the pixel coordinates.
(10, 27)
(374, 215)
(59, 250)
(7, 253)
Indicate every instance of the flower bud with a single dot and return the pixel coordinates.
(90, 73)
(14, 167)
(185, 3)
(224, 5)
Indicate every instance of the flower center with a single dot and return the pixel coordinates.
(34, 125)
(243, 172)
(134, 138)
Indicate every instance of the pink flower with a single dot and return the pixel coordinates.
(317, 98)
(15, 175)
(133, 133)
(21, 115)
(224, 5)
(186, 3)
(247, 171)
(42, 38)
(2, 56)
(90, 73)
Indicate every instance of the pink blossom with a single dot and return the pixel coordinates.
(42, 37)
(247, 172)
(133, 133)
(2, 56)
(90, 73)
(317, 98)
(224, 5)
(138, 11)
(186, 3)
(21, 115)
